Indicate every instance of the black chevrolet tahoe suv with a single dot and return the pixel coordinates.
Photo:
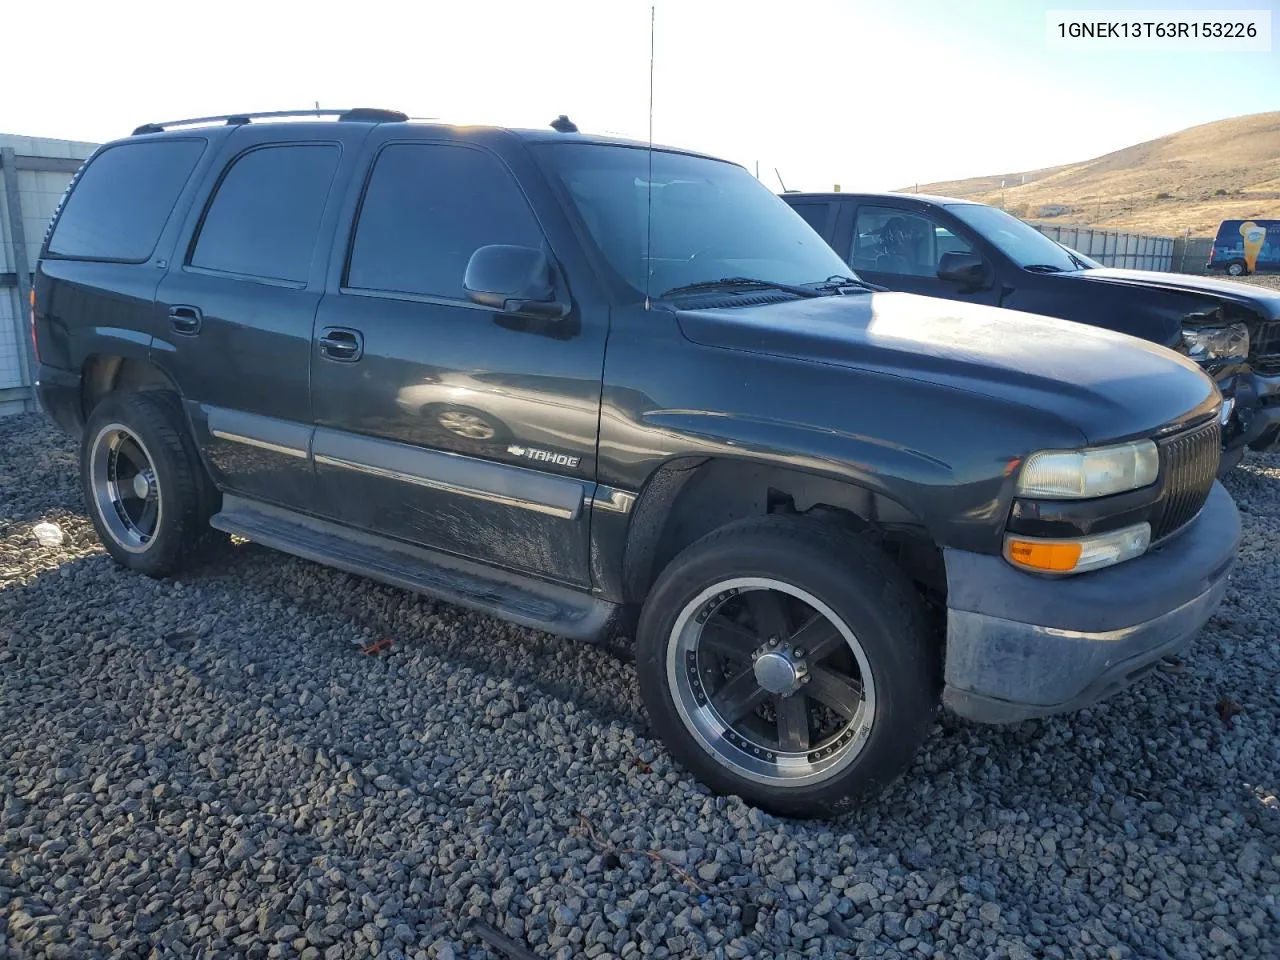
(598, 389)
(969, 251)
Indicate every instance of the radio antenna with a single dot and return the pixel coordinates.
(648, 225)
(779, 176)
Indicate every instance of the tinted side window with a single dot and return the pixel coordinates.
(265, 216)
(814, 214)
(121, 201)
(887, 240)
(427, 208)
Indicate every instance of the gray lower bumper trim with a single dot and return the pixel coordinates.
(1056, 671)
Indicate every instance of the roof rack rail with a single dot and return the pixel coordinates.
(355, 114)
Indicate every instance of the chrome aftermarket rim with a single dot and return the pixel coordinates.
(771, 682)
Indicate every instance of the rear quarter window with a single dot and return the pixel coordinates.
(120, 202)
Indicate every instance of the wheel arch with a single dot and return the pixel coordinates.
(105, 373)
(689, 497)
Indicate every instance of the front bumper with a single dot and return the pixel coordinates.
(1021, 646)
(60, 397)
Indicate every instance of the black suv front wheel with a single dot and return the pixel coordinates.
(147, 492)
(788, 662)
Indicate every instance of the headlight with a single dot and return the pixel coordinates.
(1079, 474)
(1214, 343)
(1079, 555)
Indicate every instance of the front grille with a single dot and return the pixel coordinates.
(1265, 341)
(1189, 464)
(1264, 350)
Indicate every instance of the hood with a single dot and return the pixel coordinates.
(1262, 299)
(1104, 384)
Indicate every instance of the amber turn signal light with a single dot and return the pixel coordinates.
(1077, 556)
(1059, 557)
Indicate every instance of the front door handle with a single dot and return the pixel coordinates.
(185, 320)
(342, 344)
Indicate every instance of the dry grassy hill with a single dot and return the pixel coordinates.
(1188, 180)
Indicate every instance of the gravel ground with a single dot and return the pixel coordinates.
(210, 766)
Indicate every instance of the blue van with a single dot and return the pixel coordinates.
(1243, 247)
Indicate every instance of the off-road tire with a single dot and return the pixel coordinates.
(857, 581)
(186, 492)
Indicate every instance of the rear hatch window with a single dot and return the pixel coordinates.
(119, 203)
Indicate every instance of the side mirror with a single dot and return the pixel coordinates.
(964, 268)
(515, 280)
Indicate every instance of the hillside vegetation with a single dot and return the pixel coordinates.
(1189, 180)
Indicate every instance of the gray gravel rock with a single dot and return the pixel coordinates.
(209, 766)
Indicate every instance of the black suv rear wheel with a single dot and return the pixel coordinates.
(147, 492)
(788, 662)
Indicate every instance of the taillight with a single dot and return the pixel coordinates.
(35, 343)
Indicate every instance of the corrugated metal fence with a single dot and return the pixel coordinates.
(33, 176)
(1190, 254)
(1112, 248)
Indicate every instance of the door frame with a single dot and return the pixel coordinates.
(521, 488)
(847, 220)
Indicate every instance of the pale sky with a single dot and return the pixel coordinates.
(869, 95)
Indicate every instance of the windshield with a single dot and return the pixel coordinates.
(1023, 244)
(711, 220)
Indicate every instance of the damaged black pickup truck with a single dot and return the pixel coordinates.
(592, 389)
(973, 252)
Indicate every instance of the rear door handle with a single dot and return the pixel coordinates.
(186, 319)
(342, 344)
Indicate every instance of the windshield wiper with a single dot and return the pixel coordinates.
(838, 282)
(1078, 261)
(740, 282)
(1043, 268)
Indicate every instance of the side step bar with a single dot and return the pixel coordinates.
(510, 596)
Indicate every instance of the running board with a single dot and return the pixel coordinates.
(510, 596)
